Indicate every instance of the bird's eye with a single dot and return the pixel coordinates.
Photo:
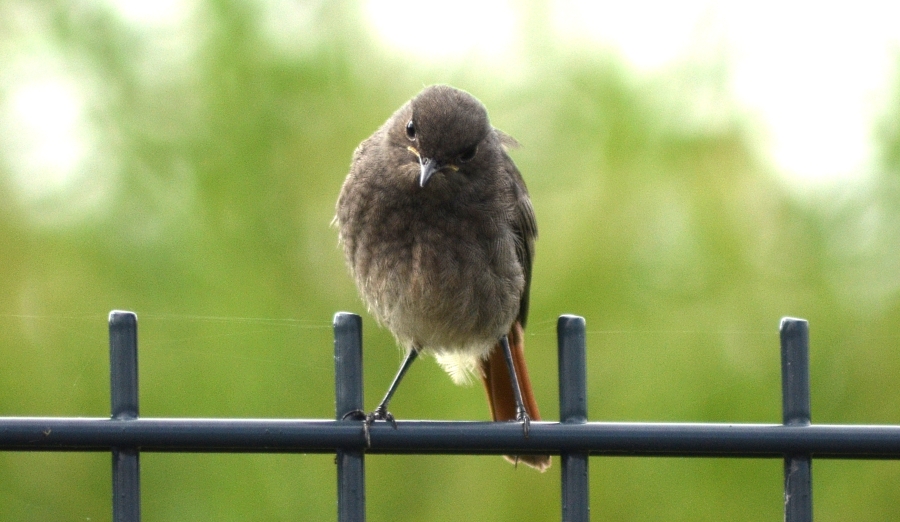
(411, 130)
(468, 154)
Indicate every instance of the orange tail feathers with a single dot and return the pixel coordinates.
(501, 399)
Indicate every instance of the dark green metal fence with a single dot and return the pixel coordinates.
(125, 434)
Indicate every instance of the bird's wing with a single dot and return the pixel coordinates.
(524, 226)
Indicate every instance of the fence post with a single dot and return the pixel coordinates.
(348, 392)
(570, 334)
(123, 375)
(796, 412)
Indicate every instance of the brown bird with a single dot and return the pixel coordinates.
(438, 232)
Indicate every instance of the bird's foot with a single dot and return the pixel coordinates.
(380, 413)
(523, 417)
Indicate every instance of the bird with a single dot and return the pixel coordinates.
(438, 232)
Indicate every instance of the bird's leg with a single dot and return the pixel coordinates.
(381, 412)
(521, 414)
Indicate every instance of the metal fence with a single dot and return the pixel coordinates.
(125, 434)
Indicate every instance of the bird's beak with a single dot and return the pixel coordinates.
(429, 166)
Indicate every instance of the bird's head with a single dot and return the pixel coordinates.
(444, 129)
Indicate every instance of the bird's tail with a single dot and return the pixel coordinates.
(498, 385)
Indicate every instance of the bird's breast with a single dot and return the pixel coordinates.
(441, 278)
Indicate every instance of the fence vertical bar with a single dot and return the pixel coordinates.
(123, 375)
(348, 392)
(796, 412)
(570, 332)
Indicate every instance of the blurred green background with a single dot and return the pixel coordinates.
(190, 176)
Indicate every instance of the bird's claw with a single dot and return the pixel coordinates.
(380, 413)
(523, 417)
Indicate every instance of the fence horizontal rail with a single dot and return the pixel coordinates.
(126, 434)
(450, 437)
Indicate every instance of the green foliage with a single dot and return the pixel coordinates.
(220, 150)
